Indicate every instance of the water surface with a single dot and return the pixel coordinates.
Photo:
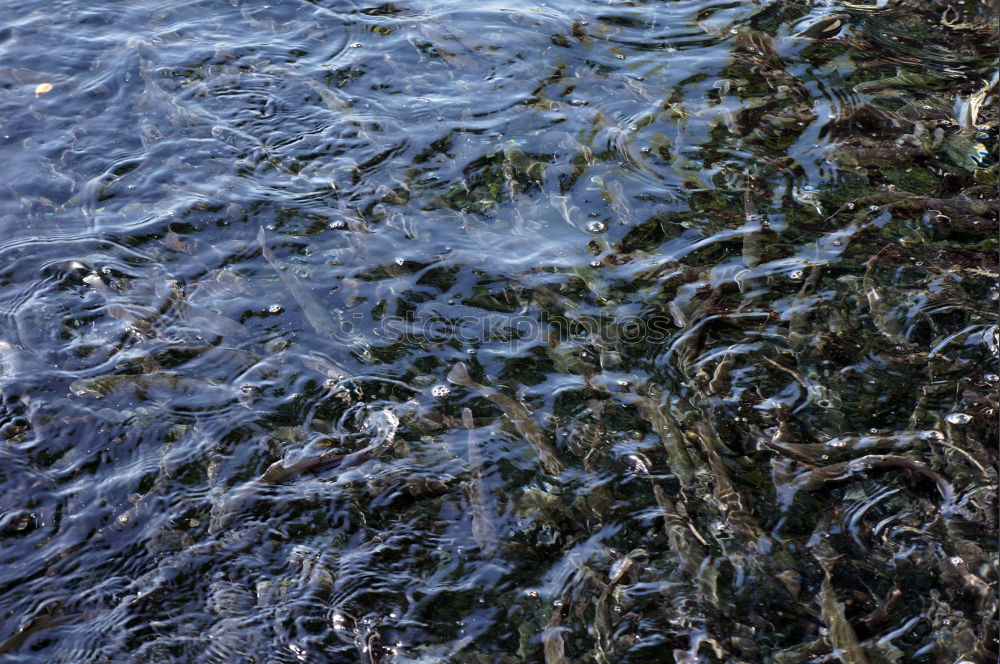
(525, 332)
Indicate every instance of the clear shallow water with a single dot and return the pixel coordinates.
(723, 276)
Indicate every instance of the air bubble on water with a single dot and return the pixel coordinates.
(797, 275)
(992, 378)
(597, 227)
(439, 391)
(334, 225)
(958, 418)
(275, 309)
(400, 260)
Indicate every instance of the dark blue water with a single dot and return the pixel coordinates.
(528, 332)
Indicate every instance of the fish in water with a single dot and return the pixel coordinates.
(483, 514)
(519, 416)
(315, 313)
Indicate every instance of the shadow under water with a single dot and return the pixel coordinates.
(555, 332)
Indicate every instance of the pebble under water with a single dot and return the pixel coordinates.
(563, 332)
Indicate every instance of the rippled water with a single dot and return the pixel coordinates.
(526, 332)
